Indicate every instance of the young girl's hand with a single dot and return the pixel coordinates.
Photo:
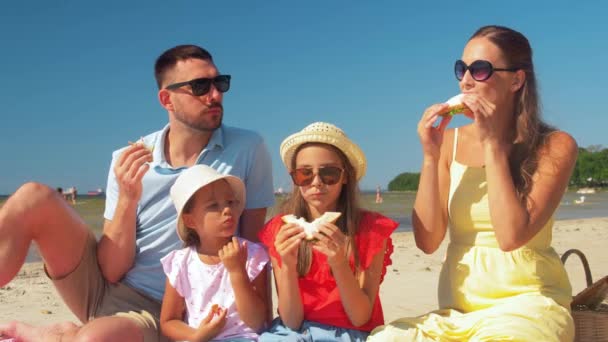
(211, 325)
(331, 242)
(233, 255)
(287, 241)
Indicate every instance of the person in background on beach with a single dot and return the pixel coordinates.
(378, 195)
(219, 281)
(327, 289)
(60, 191)
(115, 285)
(497, 183)
(73, 195)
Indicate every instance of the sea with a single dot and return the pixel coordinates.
(396, 205)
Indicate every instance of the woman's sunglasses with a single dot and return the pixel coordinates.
(329, 175)
(201, 86)
(480, 70)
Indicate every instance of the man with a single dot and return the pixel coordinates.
(115, 285)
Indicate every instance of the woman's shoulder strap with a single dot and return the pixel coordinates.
(455, 144)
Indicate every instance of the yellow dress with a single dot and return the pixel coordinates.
(486, 294)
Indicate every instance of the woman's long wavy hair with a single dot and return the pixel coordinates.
(348, 205)
(530, 131)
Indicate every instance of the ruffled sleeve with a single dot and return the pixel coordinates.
(175, 267)
(257, 258)
(269, 233)
(374, 229)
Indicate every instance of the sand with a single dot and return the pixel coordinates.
(409, 289)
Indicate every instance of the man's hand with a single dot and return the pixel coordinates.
(130, 169)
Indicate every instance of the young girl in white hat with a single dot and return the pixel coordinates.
(327, 287)
(218, 280)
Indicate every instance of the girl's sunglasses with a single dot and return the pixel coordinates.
(329, 175)
(480, 70)
(201, 86)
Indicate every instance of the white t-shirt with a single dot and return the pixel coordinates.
(203, 285)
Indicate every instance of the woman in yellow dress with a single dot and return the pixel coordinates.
(496, 183)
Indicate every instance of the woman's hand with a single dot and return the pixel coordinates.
(234, 255)
(492, 127)
(331, 242)
(287, 242)
(431, 136)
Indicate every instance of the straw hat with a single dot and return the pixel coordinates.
(322, 132)
(193, 179)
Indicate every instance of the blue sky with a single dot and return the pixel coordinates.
(77, 80)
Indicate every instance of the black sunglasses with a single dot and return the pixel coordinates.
(480, 70)
(329, 175)
(201, 86)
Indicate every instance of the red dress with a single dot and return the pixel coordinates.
(318, 289)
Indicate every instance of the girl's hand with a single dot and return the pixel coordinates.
(431, 136)
(331, 242)
(233, 255)
(211, 325)
(130, 169)
(287, 242)
(493, 129)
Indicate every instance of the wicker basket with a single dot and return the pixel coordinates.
(589, 313)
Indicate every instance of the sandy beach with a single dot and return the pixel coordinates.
(409, 288)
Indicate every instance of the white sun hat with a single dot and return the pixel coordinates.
(323, 132)
(194, 179)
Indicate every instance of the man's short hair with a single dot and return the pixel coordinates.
(169, 58)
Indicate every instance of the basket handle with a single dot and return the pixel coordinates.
(583, 260)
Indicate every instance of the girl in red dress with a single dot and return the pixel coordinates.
(328, 286)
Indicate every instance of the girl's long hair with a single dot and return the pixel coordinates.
(348, 205)
(530, 131)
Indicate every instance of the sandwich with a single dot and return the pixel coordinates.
(141, 142)
(215, 310)
(312, 227)
(455, 106)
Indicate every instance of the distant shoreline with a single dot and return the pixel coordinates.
(369, 191)
(397, 205)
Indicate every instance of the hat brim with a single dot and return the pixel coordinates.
(354, 154)
(235, 183)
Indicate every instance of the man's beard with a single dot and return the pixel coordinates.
(199, 123)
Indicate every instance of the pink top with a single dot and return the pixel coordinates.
(203, 285)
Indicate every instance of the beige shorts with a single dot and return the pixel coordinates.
(87, 293)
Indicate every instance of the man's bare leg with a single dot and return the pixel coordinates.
(38, 213)
(25, 332)
(100, 329)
